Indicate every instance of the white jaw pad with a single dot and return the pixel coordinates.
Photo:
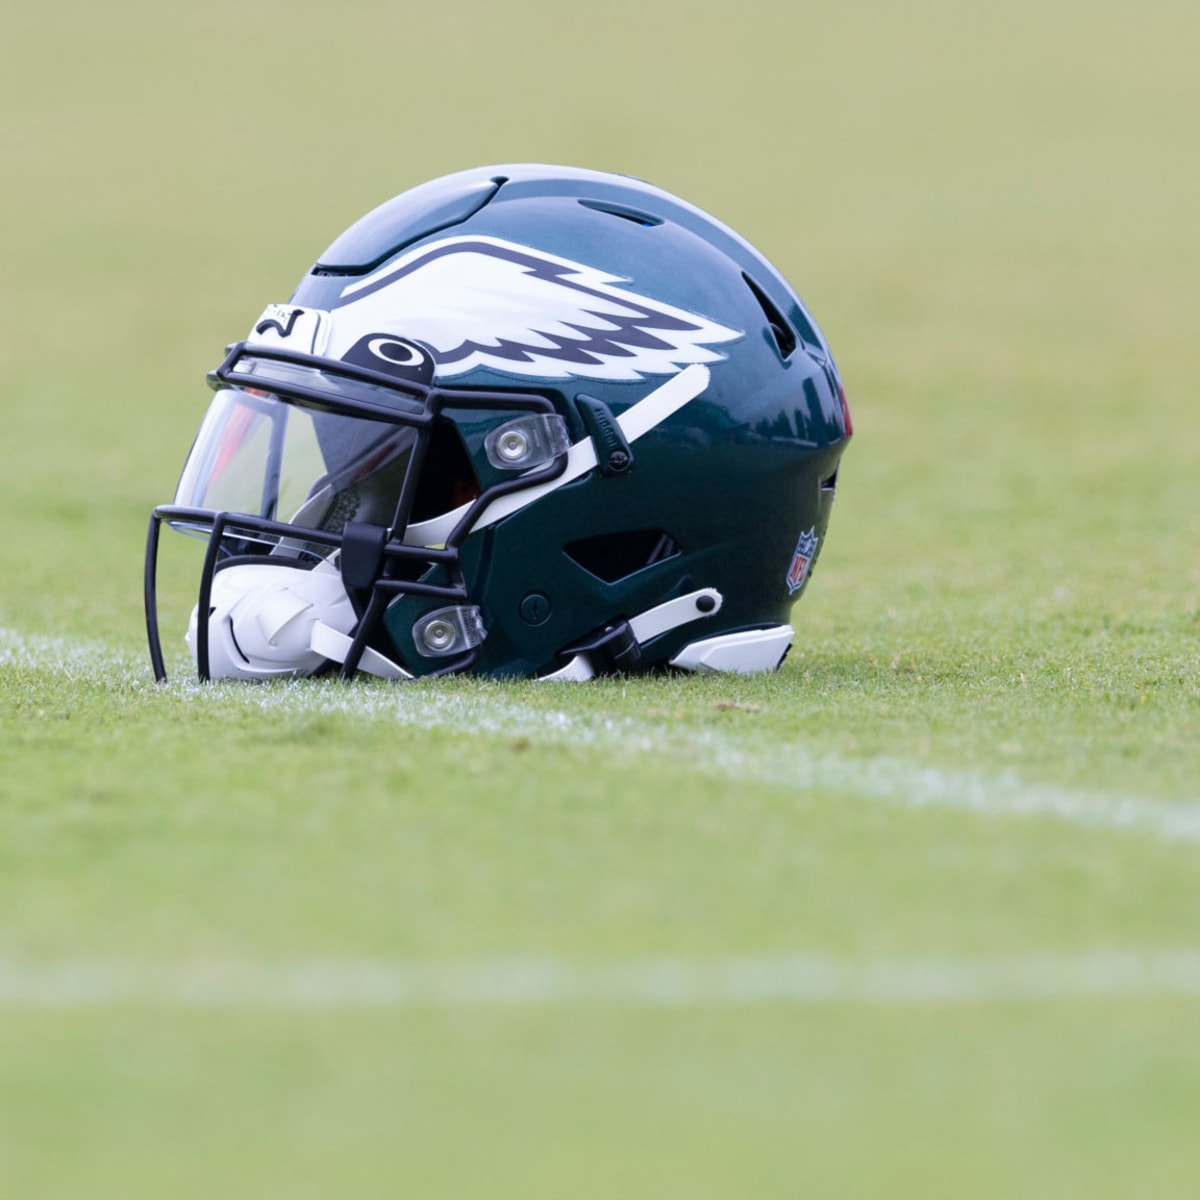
(640, 418)
(745, 653)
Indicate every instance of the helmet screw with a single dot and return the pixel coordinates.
(513, 446)
(438, 635)
(535, 609)
(705, 603)
(618, 460)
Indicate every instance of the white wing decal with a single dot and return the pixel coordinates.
(483, 302)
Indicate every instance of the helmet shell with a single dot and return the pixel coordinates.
(687, 415)
(733, 480)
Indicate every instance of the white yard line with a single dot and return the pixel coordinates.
(739, 756)
(790, 980)
(325, 984)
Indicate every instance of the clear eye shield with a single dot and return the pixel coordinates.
(262, 456)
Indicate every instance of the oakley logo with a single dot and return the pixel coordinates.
(395, 352)
(391, 355)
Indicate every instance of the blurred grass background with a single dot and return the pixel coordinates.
(991, 212)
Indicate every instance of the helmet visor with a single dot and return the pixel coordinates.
(259, 455)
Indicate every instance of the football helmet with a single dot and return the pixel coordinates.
(519, 421)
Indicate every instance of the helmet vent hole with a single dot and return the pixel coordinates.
(785, 339)
(615, 556)
(623, 211)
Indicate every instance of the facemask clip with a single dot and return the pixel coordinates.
(527, 442)
(447, 631)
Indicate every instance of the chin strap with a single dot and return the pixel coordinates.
(631, 635)
(747, 652)
(335, 646)
(268, 621)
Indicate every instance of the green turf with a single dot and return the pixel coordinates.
(993, 216)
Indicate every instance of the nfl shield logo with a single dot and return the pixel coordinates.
(806, 550)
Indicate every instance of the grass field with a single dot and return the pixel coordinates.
(918, 916)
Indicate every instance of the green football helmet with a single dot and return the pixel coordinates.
(518, 421)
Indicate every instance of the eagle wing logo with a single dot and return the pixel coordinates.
(484, 302)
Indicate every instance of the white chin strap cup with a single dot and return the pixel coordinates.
(270, 621)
